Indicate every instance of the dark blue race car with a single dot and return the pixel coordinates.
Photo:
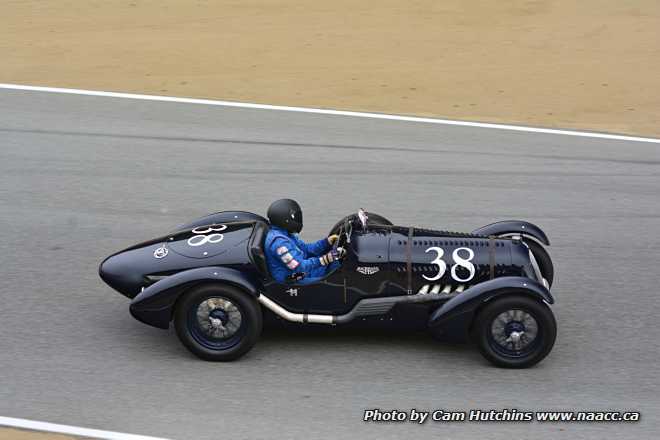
(209, 277)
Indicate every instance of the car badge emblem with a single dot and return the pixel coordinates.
(160, 252)
(368, 270)
(292, 292)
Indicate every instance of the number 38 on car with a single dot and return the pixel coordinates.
(209, 277)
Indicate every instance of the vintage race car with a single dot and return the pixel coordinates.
(209, 277)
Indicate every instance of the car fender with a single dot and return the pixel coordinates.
(513, 226)
(455, 316)
(155, 304)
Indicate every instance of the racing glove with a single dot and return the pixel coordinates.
(333, 255)
(332, 239)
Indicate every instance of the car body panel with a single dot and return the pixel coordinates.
(428, 245)
(132, 269)
(222, 217)
(212, 241)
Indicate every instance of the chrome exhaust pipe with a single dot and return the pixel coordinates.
(364, 307)
(294, 317)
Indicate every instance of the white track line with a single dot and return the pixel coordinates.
(330, 112)
(70, 430)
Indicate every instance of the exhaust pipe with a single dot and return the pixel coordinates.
(294, 317)
(364, 307)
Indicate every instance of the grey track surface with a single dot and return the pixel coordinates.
(81, 177)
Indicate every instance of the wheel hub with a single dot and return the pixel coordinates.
(514, 327)
(218, 318)
(219, 315)
(514, 330)
(515, 337)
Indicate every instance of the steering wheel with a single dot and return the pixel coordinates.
(344, 235)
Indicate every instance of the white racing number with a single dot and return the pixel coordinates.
(464, 263)
(202, 235)
(459, 261)
(442, 266)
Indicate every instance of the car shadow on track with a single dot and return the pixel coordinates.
(318, 341)
(367, 339)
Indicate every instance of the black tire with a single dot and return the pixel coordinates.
(230, 342)
(543, 259)
(486, 332)
(373, 219)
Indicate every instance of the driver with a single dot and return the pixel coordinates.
(288, 257)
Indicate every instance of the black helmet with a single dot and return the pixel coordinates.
(286, 214)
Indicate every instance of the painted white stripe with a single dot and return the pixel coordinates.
(70, 430)
(321, 111)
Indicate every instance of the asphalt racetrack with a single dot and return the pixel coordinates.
(82, 177)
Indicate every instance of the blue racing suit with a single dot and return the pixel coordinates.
(287, 254)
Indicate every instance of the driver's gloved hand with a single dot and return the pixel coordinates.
(333, 255)
(332, 239)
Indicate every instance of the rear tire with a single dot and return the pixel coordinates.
(218, 322)
(515, 331)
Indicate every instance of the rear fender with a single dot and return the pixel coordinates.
(455, 316)
(514, 226)
(155, 304)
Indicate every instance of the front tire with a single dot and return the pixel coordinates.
(218, 322)
(515, 331)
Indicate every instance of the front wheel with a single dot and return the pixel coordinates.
(515, 331)
(218, 322)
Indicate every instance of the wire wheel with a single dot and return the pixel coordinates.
(218, 322)
(514, 332)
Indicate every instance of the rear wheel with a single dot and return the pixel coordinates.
(218, 322)
(515, 331)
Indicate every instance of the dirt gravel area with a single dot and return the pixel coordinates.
(20, 434)
(591, 64)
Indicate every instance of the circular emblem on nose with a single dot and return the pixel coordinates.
(160, 252)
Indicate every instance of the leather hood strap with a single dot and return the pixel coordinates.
(409, 244)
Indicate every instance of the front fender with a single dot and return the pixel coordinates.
(455, 316)
(154, 305)
(513, 226)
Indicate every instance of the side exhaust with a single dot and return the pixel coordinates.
(364, 307)
(294, 317)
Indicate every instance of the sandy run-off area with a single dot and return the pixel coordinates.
(20, 434)
(592, 64)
